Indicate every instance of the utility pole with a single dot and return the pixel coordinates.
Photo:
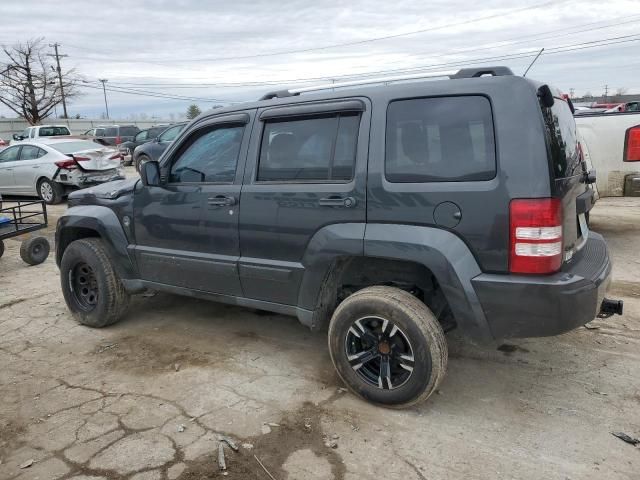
(571, 92)
(57, 55)
(606, 92)
(104, 90)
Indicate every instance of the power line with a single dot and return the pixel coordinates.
(355, 42)
(336, 77)
(156, 94)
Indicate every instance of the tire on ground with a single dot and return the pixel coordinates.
(142, 158)
(35, 250)
(1, 248)
(112, 298)
(57, 191)
(421, 328)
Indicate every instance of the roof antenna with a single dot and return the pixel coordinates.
(534, 61)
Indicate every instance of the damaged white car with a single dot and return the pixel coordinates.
(52, 169)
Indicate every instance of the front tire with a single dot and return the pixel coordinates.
(49, 191)
(91, 288)
(387, 346)
(35, 250)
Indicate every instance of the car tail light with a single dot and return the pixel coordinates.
(536, 235)
(70, 164)
(116, 156)
(632, 145)
(118, 140)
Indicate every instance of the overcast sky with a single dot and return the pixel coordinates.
(218, 50)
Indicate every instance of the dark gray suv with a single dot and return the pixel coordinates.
(386, 214)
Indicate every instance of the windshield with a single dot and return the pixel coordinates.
(54, 131)
(72, 147)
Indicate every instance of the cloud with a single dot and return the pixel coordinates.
(186, 43)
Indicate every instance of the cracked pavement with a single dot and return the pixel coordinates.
(149, 397)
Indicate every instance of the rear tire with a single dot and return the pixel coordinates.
(49, 191)
(35, 250)
(402, 339)
(1, 248)
(91, 288)
(142, 158)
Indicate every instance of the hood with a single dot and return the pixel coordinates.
(108, 190)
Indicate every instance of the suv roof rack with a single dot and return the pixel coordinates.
(462, 73)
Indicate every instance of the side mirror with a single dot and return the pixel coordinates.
(150, 174)
(546, 96)
(17, 137)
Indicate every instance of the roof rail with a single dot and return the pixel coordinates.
(463, 73)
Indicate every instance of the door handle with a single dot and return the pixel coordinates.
(221, 201)
(36, 166)
(346, 202)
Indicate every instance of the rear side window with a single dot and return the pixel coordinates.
(111, 132)
(128, 131)
(319, 149)
(562, 139)
(53, 131)
(445, 139)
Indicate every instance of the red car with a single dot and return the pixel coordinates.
(3, 144)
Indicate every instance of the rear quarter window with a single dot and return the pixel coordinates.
(562, 139)
(444, 139)
(128, 131)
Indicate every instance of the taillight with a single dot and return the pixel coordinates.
(70, 164)
(118, 140)
(536, 235)
(632, 145)
(116, 156)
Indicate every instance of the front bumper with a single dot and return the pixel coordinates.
(539, 306)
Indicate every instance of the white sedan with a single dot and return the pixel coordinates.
(51, 169)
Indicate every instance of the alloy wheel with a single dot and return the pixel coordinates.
(379, 352)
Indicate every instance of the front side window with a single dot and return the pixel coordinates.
(170, 134)
(211, 157)
(309, 149)
(446, 139)
(9, 154)
(128, 131)
(99, 132)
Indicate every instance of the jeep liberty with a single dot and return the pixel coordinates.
(387, 214)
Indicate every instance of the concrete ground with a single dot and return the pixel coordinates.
(148, 397)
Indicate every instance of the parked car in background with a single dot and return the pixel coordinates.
(611, 143)
(112, 134)
(51, 170)
(33, 134)
(154, 149)
(143, 136)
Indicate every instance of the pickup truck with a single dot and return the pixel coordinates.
(38, 132)
(611, 144)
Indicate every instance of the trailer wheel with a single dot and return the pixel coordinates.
(35, 250)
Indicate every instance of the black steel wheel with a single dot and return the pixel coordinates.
(35, 250)
(90, 285)
(387, 346)
(84, 285)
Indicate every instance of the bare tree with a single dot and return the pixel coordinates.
(29, 84)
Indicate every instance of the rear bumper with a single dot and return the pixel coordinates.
(539, 306)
